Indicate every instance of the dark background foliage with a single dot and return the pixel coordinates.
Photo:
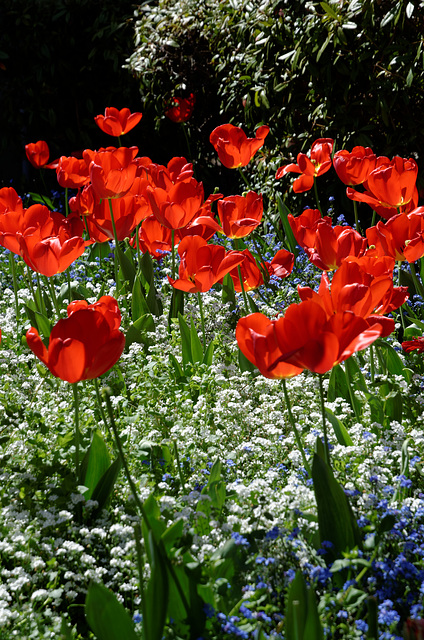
(60, 65)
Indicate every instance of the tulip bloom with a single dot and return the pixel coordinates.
(127, 214)
(117, 123)
(252, 275)
(233, 147)
(390, 188)
(112, 171)
(180, 109)
(308, 338)
(176, 206)
(84, 345)
(326, 246)
(417, 344)
(202, 264)
(72, 172)
(310, 168)
(401, 237)
(37, 153)
(255, 335)
(9, 200)
(240, 215)
(354, 167)
(154, 238)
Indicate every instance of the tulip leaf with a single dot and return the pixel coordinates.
(339, 429)
(244, 363)
(104, 486)
(207, 358)
(228, 294)
(177, 304)
(283, 211)
(196, 345)
(139, 305)
(98, 461)
(336, 522)
(106, 616)
(127, 269)
(153, 301)
(137, 331)
(296, 608)
(392, 360)
(313, 628)
(156, 594)
(185, 340)
(252, 304)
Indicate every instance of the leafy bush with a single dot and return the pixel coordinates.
(347, 70)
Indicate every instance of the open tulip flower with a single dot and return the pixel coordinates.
(252, 275)
(84, 345)
(390, 187)
(112, 171)
(318, 163)
(202, 264)
(127, 214)
(37, 153)
(417, 344)
(255, 335)
(154, 238)
(401, 237)
(180, 109)
(326, 246)
(240, 215)
(233, 147)
(363, 286)
(10, 200)
(117, 123)
(355, 166)
(178, 205)
(72, 172)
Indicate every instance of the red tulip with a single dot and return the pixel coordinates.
(327, 246)
(127, 214)
(9, 200)
(84, 345)
(417, 344)
(390, 188)
(240, 215)
(256, 339)
(117, 123)
(180, 109)
(310, 168)
(37, 153)
(304, 227)
(176, 206)
(154, 238)
(72, 172)
(234, 148)
(401, 237)
(354, 167)
(309, 339)
(252, 276)
(112, 171)
(202, 264)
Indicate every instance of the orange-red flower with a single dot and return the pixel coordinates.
(72, 172)
(176, 206)
(401, 237)
(308, 338)
(417, 344)
(390, 187)
(112, 171)
(256, 339)
(253, 276)
(127, 214)
(180, 109)
(202, 264)
(9, 200)
(154, 238)
(233, 147)
(37, 153)
(355, 166)
(310, 168)
(240, 215)
(326, 246)
(116, 123)
(84, 345)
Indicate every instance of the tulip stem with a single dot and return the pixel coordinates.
(50, 286)
(200, 303)
(316, 195)
(66, 202)
(139, 504)
(40, 294)
(324, 422)
(418, 285)
(68, 278)
(246, 305)
(372, 363)
(77, 438)
(173, 254)
(177, 459)
(295, 430)
(99, 402)
(245, 180)
(187, 140)
(31, 286)
(15, 287)
(355, 211)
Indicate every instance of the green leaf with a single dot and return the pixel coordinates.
(208, 357)
(106, 616)
(228, 293)
(339, 429)
(128, 271)
(156, 594)
(329, 10)
(392, 360)
(336, 522)
(146, 265)
(323, 47)
(139, 305)
(313, 628)
(39, 199)
(105, 485)
(173, 533)
(296, 608)
(97, 465)
(283, 211)
(196, 345)
(244, 363)
(185, 341)
(176, 307)
(137, 331)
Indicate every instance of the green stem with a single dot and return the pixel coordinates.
(295, 430)
(99, 402)
(355, 211)
(187, 140)
(173, 254)
(139, 504)
(50, 286)
(31, 286)
(116, 252)
(418, 285)
(15, 288)
(245, 180)
(246, 305)
(324, 422)
(180, 473)
(316, 195)
(200, 303)
(40, 294)
(139, 551)
(68, 278)
(372, 363)
(77, 438)
(352, 394)
(66, 202)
